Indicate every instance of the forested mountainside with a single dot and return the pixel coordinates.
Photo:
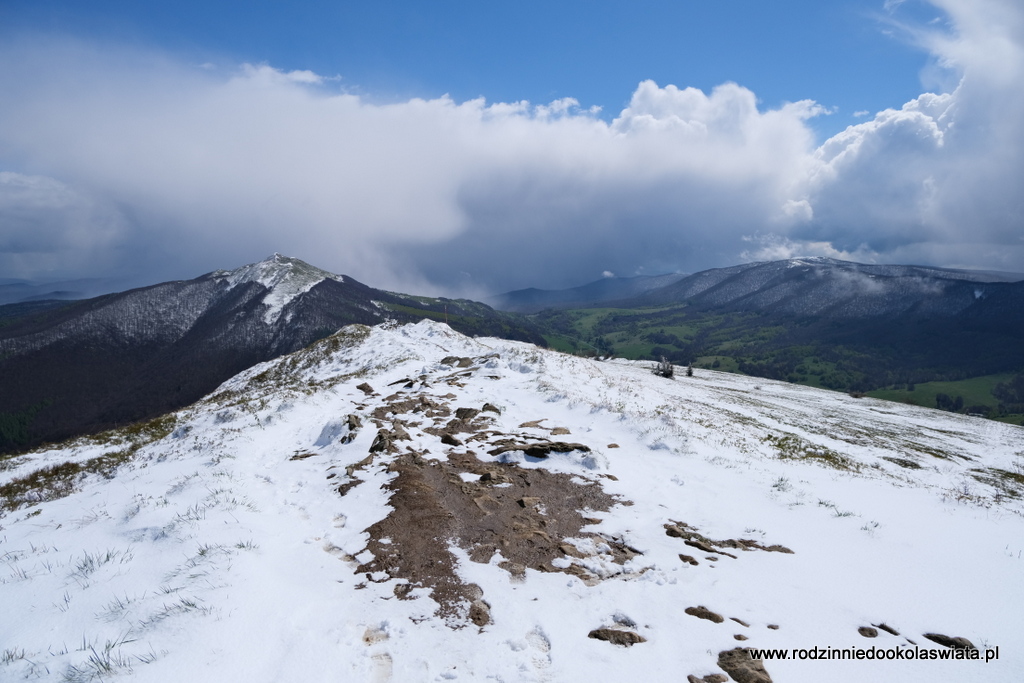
(85, 366)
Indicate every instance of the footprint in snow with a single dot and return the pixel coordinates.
(382, 667)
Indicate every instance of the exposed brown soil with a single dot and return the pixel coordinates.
(528, 515)
(527, 521)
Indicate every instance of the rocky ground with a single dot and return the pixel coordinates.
(406, 503)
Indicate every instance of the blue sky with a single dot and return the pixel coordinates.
(148, 141)
(845, 54)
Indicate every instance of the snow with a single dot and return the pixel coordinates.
(218, 553)
(285, 277)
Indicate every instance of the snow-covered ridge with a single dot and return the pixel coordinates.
(285, 277)
(243, 542)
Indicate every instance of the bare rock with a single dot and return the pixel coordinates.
(740, 622)
(491, 408)
(450, 440)
(617, 636)
(739, 636)
(710, 678)
(741, 668)
(541, 449)
(466, 413)
(382, 442)
(887, 628)
(868, 632)
(480, 612)
(560, 430)
(365, 388)
(689, 559)
(702, 612)
(950, 641)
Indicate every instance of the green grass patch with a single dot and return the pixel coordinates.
(792, 447)
(975, 391)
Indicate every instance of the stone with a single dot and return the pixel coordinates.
(617, 636)
(741, 668)
(950, 641)
(450, 440)
(702, 612)
(382, 442)
(868, 632)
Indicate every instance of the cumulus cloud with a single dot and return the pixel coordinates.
(211, 169)
(142, 162)
(938, 179)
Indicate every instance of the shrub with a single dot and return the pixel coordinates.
(665, 368)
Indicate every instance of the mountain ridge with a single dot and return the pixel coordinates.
(408, 503)
(678, 288)
(129, 356)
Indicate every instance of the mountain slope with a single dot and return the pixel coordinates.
(837, 324)
(406, 503)
(831, 288)
(606, 289)
(130, 356)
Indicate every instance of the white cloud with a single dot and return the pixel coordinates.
(213, 169)
(775, 247)
(179, 169)
(938, 179)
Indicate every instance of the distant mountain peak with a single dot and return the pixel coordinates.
(815, 261)
(284, 276)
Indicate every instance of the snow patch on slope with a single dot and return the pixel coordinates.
(285, 277)
(226, 551)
